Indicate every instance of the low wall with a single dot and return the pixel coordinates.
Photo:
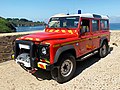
(6, 44)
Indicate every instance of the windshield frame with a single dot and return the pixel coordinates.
(63, 22)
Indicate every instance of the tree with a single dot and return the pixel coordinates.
(24, 20)
(6, 26)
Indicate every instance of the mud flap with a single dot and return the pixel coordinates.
(109, 49)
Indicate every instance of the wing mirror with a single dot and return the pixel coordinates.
(46, 26)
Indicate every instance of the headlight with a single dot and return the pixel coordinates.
(44, 51)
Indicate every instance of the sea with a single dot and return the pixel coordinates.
(113, 26)
(31, 28)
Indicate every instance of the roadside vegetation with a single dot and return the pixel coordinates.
(24, 22)
(6, 26)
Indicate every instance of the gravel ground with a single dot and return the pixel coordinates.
(91, 74)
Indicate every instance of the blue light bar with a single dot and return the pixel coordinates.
(79, 11)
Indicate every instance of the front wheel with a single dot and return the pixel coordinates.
(67, 67)
(103, 51)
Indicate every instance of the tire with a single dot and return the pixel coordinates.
(66, 68)
(103, 51)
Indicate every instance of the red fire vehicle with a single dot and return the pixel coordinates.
(66, 38)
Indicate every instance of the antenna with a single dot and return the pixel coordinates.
(107, 16)
(68, 12)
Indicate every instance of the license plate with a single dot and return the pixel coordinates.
(24, 46)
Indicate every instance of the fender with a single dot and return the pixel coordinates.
(102, 39)
(61, 50)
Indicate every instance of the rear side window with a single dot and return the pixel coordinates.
(95, 25)
(104, 24)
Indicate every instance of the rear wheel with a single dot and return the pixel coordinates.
(103, 51)
(67, 67)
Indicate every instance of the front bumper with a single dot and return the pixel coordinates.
(33, 62)
(41, 65)
(45, 66)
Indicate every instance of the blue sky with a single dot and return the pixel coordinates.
(39, 10)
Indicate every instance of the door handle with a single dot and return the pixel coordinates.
(90, 38)
(98, 36)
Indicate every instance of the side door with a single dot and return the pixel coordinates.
(95, 23)
(85, 37)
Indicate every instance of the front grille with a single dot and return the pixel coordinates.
(26, 47)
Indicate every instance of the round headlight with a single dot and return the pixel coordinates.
(44, 51)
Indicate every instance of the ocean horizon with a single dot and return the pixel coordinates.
(113, 26)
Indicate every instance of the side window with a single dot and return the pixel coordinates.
(85, 26)
(95, 25)
(104, 24)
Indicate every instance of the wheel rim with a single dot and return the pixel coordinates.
(104, 50)
(66, 68)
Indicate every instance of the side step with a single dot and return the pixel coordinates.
(82, 58)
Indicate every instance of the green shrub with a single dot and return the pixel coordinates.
(5, 26)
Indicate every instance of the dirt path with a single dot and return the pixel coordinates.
(92, 74)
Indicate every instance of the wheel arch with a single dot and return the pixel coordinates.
(103, 39)
(65, 49)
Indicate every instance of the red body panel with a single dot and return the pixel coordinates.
(42, 36)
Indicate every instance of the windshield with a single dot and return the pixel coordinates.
(63, 22)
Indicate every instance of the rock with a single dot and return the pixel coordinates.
(115, 44)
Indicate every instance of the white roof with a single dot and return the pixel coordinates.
(87, 15)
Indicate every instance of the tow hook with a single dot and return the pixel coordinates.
(32, 71)
(54, 72)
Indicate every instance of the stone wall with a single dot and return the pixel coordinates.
(6, 47)
(6, 44)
